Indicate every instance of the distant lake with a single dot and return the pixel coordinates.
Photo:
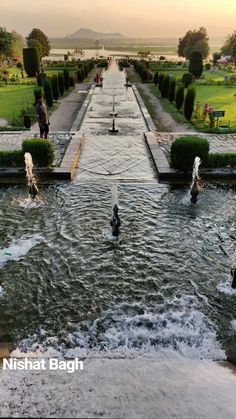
(58, 54)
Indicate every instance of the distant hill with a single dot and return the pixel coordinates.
(84, 33)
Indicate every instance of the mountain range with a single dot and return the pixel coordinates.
(84, 33)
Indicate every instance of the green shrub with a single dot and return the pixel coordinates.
(171, 95)
(11, 158)
(41, 151)
(55, 87)
(185, 149)
(221, 160)
(179, 97)
(79, 75)
(31, 61)
(189, 102)
(187, 79)
(48, 92)
(61, 83)
(207, 66)
(66, 78)
(165, 86)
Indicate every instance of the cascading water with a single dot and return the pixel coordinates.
(195, 188)
(33, 189)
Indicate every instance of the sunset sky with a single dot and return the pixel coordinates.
(142, 18)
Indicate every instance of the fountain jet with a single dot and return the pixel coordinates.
(115, 220)
(113, 130)
(195, 187)
(233, 273)
(113, 113)
(33, 189)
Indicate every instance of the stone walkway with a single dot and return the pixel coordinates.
(63, 117)
(223, 143)
(123, 156)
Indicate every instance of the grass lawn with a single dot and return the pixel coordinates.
(220, 98)
(13, 98)
(178, 73)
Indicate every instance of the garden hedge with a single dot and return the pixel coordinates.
(221, 160)
(11, 158)
(41, 151)
(185, 149)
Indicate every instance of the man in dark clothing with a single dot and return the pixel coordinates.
(42, 116)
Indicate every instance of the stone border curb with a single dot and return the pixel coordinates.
(147, 118)
(166, 173)
(80, 115)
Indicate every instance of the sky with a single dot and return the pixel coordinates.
(133, 18)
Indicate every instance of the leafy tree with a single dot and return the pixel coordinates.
(42, 38)
(144, 54)
(17, 44)
(229, 47)
(34, 43)
(6, 40)
(196, 64)
(194, 41)
(216, 56)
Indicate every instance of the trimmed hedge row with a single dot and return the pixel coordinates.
(185, 149)
(11, 158)
(221, 160)
(41, 151)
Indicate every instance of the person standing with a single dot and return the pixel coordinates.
(42, 116)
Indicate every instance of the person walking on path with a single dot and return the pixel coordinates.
(42, 116)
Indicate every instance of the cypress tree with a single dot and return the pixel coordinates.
(165, 85)
(31, 61)
(155, 78)
(61, 83)
(189, 102)
(179, 97)
(55, 87)
(196, 64)
(171, 95)
(66, 78)
(160, 78)
(48, 92)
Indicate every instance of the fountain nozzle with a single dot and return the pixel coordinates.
(113, 130)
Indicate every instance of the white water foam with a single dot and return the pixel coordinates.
(225, 286)
(19, 248)
(177, 325)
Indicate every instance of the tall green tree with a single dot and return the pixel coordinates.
(17, 44)
(34, 43)
(196, 64)
(196, 40)
(229, 47)
(6, 40)
(42, 38)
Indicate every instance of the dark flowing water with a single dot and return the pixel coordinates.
(65, 282)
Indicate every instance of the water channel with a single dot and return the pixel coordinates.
(67, 283)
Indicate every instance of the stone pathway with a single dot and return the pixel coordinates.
(123, 156)
(223, 143)
(162, 117)
(63, 117)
